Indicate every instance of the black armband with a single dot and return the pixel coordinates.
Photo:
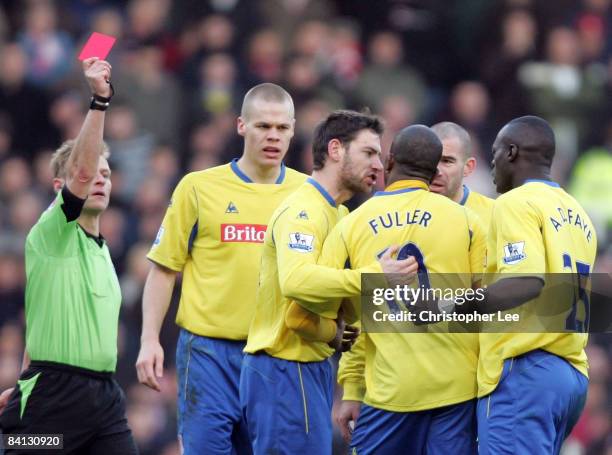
(72, 205)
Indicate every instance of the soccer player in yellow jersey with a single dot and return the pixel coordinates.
(532, 386)
(410, 405)
(457, 163)
(286, 382)
(213, 232)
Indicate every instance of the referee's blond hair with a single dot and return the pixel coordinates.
(59, 159)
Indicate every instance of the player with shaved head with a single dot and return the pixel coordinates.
(457, 162)
(409, 392)
(532, 386)
(212, 232)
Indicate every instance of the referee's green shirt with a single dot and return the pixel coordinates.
(72, 292)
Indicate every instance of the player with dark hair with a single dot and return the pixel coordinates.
(212, 232)
(72, 302)
(286, 383)
(532, 386)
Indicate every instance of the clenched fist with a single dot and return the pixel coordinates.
(98, 74)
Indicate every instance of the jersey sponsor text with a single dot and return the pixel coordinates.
(250, 233)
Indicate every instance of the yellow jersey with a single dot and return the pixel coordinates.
(213, 232)
(405, 372)
(289, 271)
(537, 229)
(479, 203)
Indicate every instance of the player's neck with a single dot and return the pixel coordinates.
(531, 174)
(393, 177)
(90, 222)
(259, 174)
(458, 196)
(331, 182)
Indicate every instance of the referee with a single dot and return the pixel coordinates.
(72, 306)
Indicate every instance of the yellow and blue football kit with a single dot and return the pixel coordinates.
(286, 383)
(533, 385)
(419, 387)
(480, 204)
(213, 232)
(306, 323)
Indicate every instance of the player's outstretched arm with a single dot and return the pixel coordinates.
(83, 161)
(308, 325)
(319, 286)
(312, 327)
(509, 293)
(155, 302)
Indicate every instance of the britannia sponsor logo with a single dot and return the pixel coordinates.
(249, 233)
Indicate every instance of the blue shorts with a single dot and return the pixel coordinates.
(209, 415)
(287, 405)
(535, 406)
(450, 429)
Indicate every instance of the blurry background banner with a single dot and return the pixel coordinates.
(182, 67)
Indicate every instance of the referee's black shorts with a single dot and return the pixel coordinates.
(86, 407)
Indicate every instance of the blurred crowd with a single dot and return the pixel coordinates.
(181, 68)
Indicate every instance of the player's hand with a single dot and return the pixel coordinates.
(346, 416)
(398, 271)
(150, 364)
(4, 398)
(336, 343)
(349, 336)
(346, 335)
(98, 74)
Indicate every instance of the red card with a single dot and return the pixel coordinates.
(98, 45)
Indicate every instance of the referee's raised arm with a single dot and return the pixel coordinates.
(83, 161)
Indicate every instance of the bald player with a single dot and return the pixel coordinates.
(532, 386)
(412, 392)
(457, 162)
(213, 232)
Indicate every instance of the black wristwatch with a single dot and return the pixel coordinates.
(101, 103)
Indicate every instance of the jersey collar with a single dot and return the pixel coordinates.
(99, 239)
(403, 186)
(466, 194)
(322, 190)
(545, 182)
(245, 178)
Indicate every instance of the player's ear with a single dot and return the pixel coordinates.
(513, 151)
(389, 163)
(57, 184)
(334, 150)
(241, 126)
(469, 167)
